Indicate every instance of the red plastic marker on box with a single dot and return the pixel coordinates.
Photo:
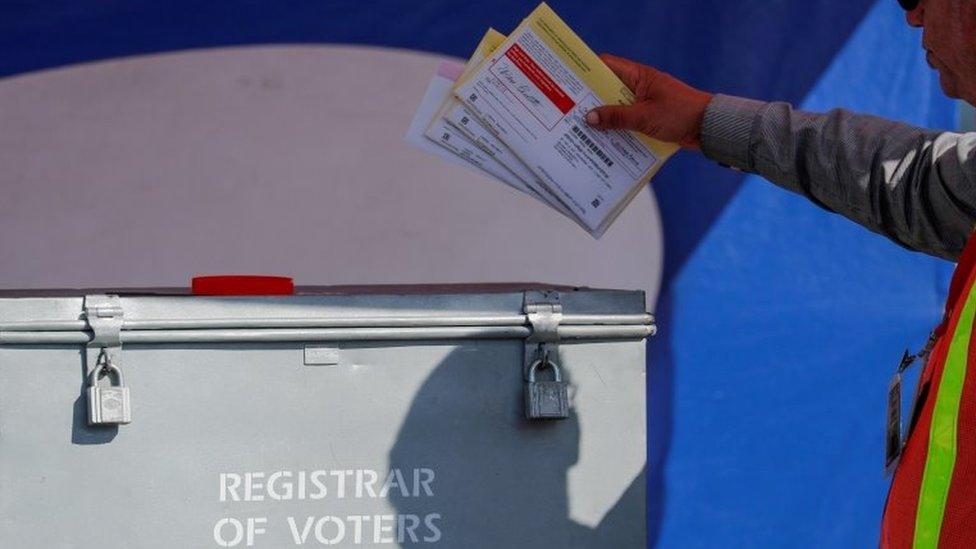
(243, 285)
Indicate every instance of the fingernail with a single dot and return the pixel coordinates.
(592, 118)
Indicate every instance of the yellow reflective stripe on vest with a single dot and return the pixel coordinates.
(941, 457)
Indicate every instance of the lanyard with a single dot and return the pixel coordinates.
(967, 260)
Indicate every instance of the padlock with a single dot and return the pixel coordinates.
(108, 405)
(546, 399)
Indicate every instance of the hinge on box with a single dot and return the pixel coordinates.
(544, 312)
(104, 316)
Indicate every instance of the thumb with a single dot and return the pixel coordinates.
(617, 117)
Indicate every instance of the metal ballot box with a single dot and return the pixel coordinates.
(391, 417)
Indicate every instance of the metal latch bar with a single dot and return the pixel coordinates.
(104, 316)
(544, 312)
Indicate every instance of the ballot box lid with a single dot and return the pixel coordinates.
(285, 160)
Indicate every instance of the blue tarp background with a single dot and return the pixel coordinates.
(780, 323)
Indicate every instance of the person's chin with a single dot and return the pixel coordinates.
(949, 85)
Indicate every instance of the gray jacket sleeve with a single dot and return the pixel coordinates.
(915, 186)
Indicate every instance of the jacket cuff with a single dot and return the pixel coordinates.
(727, 130)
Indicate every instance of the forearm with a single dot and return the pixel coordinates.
(915, 186)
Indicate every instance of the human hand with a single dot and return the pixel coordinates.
(665, 108)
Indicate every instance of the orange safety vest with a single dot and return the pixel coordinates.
(932, 501)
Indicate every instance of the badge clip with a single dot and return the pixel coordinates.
(895, 436)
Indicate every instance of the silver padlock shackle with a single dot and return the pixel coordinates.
(544, 363)
(102, 365)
